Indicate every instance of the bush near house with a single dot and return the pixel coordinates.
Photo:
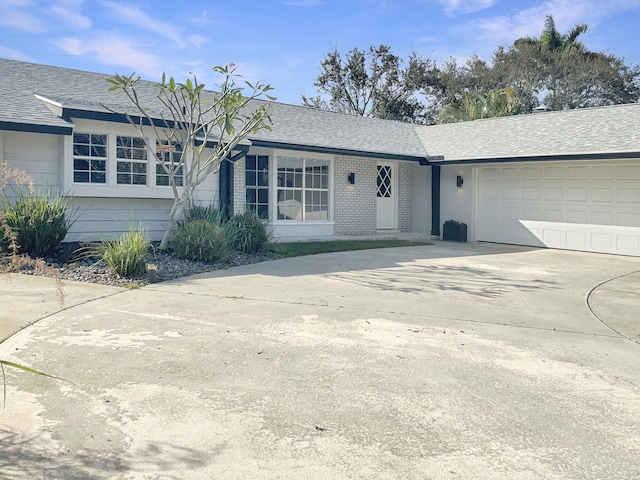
(247, 232)
(38, 222)
(203, 235)
(199, 240)
(127, 255)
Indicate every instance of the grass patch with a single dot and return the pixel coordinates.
(297, 249)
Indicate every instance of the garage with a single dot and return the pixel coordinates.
(589, 206)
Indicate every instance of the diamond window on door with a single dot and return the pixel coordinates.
(384, 181)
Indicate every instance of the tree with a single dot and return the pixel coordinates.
(369, 83)
(448, 85)
(559, 71)
(554, 41)
(194, 129)
(476, 105)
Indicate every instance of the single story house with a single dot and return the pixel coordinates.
(566, 180)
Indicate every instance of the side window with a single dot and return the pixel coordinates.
(89, 158)
(257, 184)
(169, 156)
(131, 154)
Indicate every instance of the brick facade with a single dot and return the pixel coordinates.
(355, 205)
(405, 213)
(238, 187)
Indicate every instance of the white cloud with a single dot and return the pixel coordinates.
(135, 16)
(566, 14)
(109, 49)
(69, 16)
(465, 6)
(13, 54)
(19, 14)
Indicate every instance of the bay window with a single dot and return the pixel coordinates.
(303, 189)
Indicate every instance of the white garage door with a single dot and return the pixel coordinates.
(588, 206)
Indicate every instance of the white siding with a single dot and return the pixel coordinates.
(457, 203)
(38, 154)
(107, 218)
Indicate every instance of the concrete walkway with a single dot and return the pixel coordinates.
(449, 361)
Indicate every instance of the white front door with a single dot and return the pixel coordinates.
(386, 196)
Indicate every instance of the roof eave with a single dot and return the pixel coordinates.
(337, 151)
(542, 158)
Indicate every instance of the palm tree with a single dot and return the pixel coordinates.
(476, 105)
(553, 40)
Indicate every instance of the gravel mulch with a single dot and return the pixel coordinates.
(162, 267)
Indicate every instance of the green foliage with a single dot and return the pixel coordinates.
(296, 249)
(191, 113)
(199, 240)
(371, 83)
(554, 69)
(38, 222)
(246, 232)
(127, 255)
(476, 105)
(199, 212)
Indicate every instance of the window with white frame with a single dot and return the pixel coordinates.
(131, 165)
(90, 158)
(256, 179)
(303, 189)
(170, 156)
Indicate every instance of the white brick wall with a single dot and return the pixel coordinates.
(238, 187)
(355, 205)
(405, 212)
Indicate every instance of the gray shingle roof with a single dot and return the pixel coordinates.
(614, 129)
(602, 130)
(292, 125)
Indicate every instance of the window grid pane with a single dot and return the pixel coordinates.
(90, 158)
(257, 184)
(170, 156)
(131, 153)
(308, 201)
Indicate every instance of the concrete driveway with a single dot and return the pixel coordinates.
(450, 361)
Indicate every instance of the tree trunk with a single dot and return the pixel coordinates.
(174, 213)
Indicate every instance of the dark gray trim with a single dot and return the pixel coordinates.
(35, 128)
(545, 158)
(69, 113)
(334, 151)
(435, 200)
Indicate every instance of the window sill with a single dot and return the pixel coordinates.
(120, 191)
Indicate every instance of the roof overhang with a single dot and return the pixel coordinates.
(541, 158)
(36, 127)
(336, 151)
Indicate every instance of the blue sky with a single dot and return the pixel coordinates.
(281, 42)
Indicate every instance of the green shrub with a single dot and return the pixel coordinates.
(39, 222)
(198, 212)
(247, 232)
(127, 255)
(199, 240)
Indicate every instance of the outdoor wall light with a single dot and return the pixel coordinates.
(459, 181)
(352, 178)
